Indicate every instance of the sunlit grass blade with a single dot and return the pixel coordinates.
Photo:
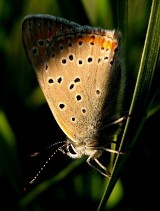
(145, 89)
(9, 165)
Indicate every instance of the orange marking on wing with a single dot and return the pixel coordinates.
(106, 44)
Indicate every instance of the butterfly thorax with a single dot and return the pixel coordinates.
(86, 147)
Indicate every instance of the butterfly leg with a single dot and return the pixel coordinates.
(113, 151)
(104, 170)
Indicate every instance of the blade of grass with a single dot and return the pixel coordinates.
(9, 164)
(145, 89)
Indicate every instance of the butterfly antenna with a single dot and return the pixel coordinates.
(49, 159)
(34, 154)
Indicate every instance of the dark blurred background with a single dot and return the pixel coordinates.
(27, 125)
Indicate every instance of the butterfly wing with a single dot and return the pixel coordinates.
(76, 68)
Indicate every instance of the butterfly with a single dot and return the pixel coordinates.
(80, 71)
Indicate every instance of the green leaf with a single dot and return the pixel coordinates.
(145, 89)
